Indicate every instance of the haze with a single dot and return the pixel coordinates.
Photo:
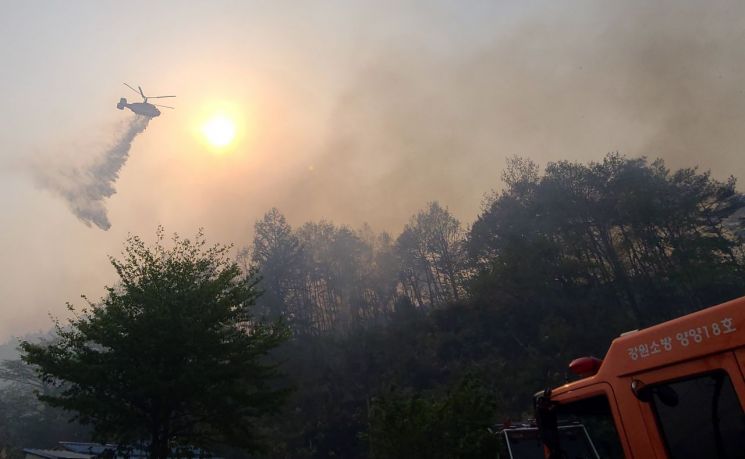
(349, 111)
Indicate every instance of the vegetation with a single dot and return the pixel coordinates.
(455, 424)
(558, 263)
(171, 355)
(412, 346)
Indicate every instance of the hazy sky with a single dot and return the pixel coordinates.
(351, 111)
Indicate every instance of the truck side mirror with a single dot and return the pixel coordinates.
(664, 393)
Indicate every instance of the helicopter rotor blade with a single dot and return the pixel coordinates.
(158, 97)
(142, 93)
(133, 89)
(164, 106)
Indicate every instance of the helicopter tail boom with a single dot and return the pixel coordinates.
(122, 103)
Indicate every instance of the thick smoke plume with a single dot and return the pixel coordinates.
(425, 120)
(85, 188)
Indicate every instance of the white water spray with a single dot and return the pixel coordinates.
(86, 188)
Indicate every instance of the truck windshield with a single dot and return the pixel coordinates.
(700, 417)
(595, 415)
(526, 443)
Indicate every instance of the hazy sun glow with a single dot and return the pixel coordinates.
(219, 131)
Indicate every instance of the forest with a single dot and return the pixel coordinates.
(415, 344)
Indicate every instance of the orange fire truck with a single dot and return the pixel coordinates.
(674, 390)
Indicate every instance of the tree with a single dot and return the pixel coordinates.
(170, 356)
(431, 250)
(24, 420)
(339, 270)
(455, 425)
(279, 257)
(622, 240)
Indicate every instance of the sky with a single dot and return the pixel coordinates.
(352, 111)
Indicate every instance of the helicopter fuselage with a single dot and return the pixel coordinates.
(140, 108)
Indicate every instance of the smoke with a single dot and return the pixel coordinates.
(86, 187)
(423, 120)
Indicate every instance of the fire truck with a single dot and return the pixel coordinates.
(674, 390)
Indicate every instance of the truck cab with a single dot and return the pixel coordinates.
(674, 390)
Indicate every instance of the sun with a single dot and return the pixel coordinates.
(219, 131)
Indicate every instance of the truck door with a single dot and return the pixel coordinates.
(594, 408)
(694, 409)
(740, 356)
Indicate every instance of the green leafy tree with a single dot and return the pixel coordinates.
(455, 425)
(170, 356)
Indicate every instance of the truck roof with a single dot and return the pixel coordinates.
(711, 330)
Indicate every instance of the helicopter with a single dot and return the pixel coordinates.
(142, 108)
